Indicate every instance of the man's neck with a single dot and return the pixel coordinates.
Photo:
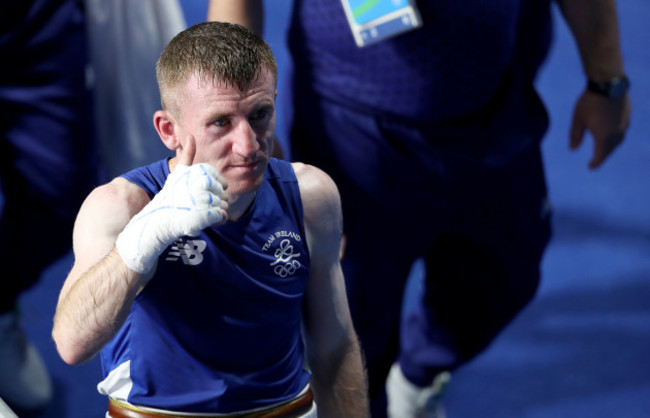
(239, 205)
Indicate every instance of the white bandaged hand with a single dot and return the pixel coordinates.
(191, 200)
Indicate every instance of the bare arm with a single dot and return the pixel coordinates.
(333, 350)
(99, 291)
(594, 24)
(118, 236)
(248, 13)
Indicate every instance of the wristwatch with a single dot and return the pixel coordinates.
(613, 89)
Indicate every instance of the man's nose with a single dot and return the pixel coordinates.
(245, 142)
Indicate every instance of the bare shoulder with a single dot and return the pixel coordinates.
(321, 204)
(114, 203)
(318, 191)
(102, 217)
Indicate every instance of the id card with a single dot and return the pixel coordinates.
(374, 20)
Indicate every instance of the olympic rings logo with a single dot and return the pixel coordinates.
(284, 263)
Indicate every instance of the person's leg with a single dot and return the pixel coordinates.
(387, 216)
(483, 271)
(375, 280)
(48, 160)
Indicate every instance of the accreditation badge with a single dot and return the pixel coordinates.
(374, 20)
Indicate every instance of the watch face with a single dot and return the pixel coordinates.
(619, 87)
(613, 89)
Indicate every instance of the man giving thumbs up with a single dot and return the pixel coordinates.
(194, 275)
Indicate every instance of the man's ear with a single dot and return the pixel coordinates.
(166, 127)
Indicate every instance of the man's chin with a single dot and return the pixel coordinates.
(243, 186)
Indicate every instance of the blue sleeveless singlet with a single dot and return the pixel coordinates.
(217, 329)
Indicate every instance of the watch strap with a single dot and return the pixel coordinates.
(613, 89)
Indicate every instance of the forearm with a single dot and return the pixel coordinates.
(248, 13)
(340, 383)
(91, 311)
(594, 24)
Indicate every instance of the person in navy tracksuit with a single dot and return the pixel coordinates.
(47, 163)
(433, 137)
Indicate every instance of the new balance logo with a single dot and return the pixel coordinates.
(190, 251)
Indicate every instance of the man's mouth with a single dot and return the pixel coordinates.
(246, 165)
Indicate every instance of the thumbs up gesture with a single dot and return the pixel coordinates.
(192, 198)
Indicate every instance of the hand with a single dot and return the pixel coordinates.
(192, 199)
(607, 119)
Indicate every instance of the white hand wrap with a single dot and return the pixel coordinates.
(189, 201)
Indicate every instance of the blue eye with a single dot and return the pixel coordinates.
(221, 122)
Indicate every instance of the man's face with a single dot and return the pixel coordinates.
(233, 129)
